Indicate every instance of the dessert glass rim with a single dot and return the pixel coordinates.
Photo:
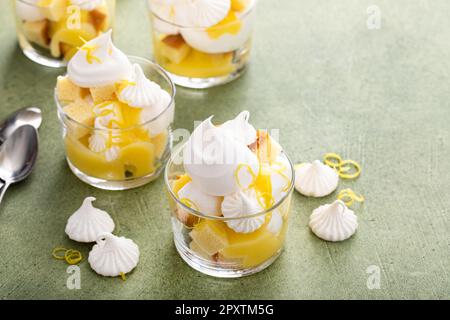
(244, 15)
(36, 4)
(176, 152)
(133, 58)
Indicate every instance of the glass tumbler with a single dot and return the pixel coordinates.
(209, 245)
(139, 152)
(50, 31)
(199, 57)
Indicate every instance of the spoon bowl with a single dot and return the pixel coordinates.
(17, 156)
(29, 115)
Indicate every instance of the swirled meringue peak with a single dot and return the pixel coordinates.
(213, 158)
(142, 93)
(241, 129)
(98, 63)
(240, 204)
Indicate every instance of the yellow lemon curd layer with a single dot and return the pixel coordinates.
(216, 239)
(138, 153)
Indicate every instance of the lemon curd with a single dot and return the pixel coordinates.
(63, 27)
(205, 53)
(138, 151)
(214, 240)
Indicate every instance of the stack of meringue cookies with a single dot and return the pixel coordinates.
(331, 222)
(111, 256)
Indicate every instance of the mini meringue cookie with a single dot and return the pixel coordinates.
(315, 179)
(240, 204)
(105, 65)
(202, 202)
(143, 93)
(87, 5)
(112, 153)
(212, 157)
(97, 142)
(333, 222)
(113, 255)
(88, 222)
(275, 223)
(29, 11)
(199, 38)
(241, 129)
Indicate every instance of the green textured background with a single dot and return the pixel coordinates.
(380, 97)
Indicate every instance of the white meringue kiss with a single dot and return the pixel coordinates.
(240, 204)
(105, 65)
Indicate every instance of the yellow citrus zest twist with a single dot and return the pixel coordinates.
(265, 199)
(342, 167)
(122, 276)
(90, 57)
(348, 196)
(280, 168)
(56, 251)
(71, 256)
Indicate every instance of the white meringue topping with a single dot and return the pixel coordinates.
(333, 222)
(315, 179)
(88, 5)
(113, 255)
(213, 158)
(275, 223)
(241, 204)
(241, 129)
(98, 63)
(198, 200)
(29, 11)
(141, 92)
(88, 222)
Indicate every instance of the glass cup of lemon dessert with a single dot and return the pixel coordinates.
(230, 189)
(115, 113)
(50, 31)
(202, 43)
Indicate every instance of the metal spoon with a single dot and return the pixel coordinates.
(17, 156)
(28, 115)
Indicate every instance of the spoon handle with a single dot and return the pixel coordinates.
(3, 190)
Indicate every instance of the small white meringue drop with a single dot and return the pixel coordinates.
(88, 222)
(315, 179)
(240, 204)
(113, 256)
(333, 222)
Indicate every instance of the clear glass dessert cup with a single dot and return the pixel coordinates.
(50, 31)
(204, 57)
(143, 149)
(208, 245)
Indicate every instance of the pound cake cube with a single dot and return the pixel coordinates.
(210, 236)
(82, 112)
(66, 90)
(53, 10)
(174, 48)
(37, 32)
(100, 18)
(267, 149)
(101, 94)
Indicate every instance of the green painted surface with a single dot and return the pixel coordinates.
(380, 97)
